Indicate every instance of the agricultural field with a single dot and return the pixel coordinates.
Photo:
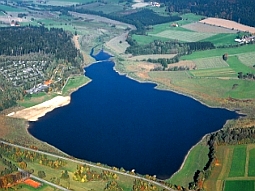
(247, 58)
(184, 36)
(220, 51)
(238, 66)
(142, 39)
(105, 8)
(222, 39)
(238, 162)
(251, 168)
(232, 170)
(237, 185)
(214, 73)
(207, 63)
(205, 28)
(11, 9)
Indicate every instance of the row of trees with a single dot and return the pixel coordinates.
(242, 75)
(239, 10)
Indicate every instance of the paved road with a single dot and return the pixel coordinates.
(92, 165)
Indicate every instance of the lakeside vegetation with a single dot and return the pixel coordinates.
(225, 89)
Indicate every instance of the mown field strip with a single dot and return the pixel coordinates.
(251, 167)
(248, 58)
(213, 62)
(218, 72)
(238, 162)
(184, 35)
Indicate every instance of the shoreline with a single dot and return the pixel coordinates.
(35, 112)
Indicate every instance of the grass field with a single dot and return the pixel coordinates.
(36, 99)
(238, 162)
(221, 39)
(247, 58)
(142, 39)
(238, 66)
(251, 168)
(11, 9)
(73, 83)
(196, 159)
(220, 52)
(238, 185)
(207, 63)
(214, 73)
(186, 36)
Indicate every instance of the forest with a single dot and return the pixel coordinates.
(17, 41)
(241, 11)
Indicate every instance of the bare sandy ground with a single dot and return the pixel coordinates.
(115, 45)
(228, 24)
(33, 113)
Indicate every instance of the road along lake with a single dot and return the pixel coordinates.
(120, 122)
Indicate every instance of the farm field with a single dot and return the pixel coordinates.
(207, 63)
(11, 9)
(142, 39)
(205, 28)
(185, 36)
(220, 51)
(238, 66)
(214, 73)
(152, 56)
(105, 8)
(222, 39)
(237, 185)
(238, 162)
(251, 168)
(247, 58)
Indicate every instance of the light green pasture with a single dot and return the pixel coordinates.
(11, 9)
(184, 35)
(222, 39)
(142, 39)
(220, 52)
(238, 66)
(247, 58)
(238, 162)
(212, 62)
(214, 73)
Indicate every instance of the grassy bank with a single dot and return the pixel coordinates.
(195, 160)
(74, 83)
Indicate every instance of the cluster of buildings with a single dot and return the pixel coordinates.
(245, 39)
(154, 4)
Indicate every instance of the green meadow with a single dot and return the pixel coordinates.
(11, 9)
(238, 185)
(220, 52)
(238, 162)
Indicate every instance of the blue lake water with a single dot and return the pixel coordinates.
(120, 122)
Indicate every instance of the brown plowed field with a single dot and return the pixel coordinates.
(228, 24)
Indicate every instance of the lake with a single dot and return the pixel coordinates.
(120, 122)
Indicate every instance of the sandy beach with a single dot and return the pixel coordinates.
(37, 111)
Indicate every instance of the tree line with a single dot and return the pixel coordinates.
(239, 10)
(166, 47)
